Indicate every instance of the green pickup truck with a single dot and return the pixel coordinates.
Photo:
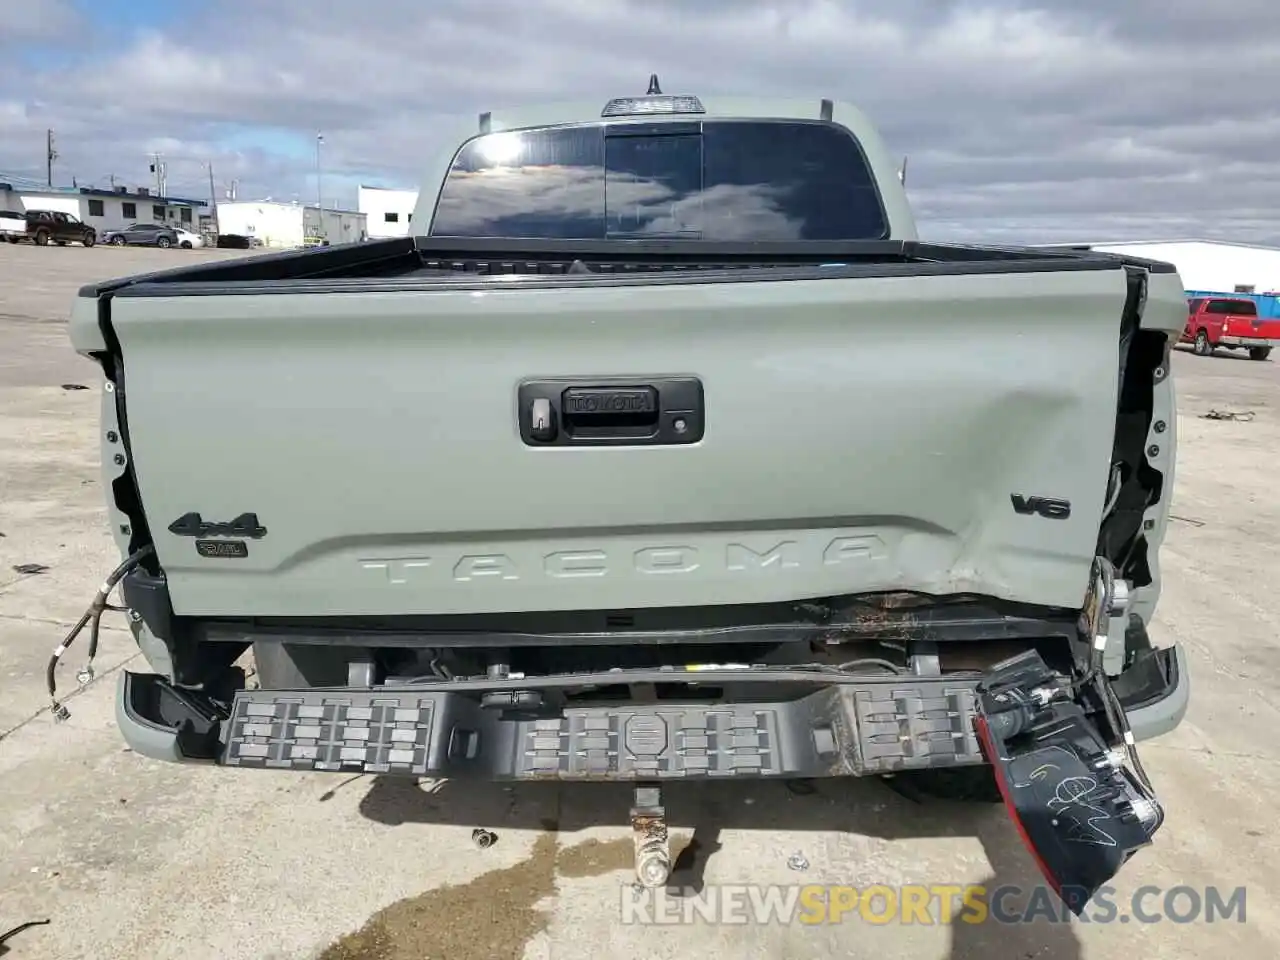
(665, 449)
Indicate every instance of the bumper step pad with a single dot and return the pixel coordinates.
(315, 732)
(847, 729)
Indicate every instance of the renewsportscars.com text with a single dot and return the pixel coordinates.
(923, 904)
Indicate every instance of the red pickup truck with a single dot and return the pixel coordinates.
(1228, 322)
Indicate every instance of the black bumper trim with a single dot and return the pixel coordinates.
(848, 729)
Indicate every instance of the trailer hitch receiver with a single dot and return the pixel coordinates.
(649, 830)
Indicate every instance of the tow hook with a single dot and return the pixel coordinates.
(649, 831)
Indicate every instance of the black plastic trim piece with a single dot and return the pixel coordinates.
(862, 726)
(775, 275)
(943, 623)
(288, 264)
(194, 661)
(1151, 266)
(747, 250)
(397, 264)
(611, 411)
(660, 128)
(1151, 677)
(152, 701)
(148, 597)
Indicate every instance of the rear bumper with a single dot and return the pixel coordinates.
(1158, 705)
(1233, 341)
(856, 727)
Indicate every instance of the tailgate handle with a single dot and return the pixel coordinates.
(606, 412)
(610, 411)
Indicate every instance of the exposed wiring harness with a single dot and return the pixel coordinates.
(1120, 722)
(1096, 622)
(93, 619)
(870, 662)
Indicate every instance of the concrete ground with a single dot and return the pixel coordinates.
(128, 858)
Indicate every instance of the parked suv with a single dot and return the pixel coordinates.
(46, 226)
(143, 234)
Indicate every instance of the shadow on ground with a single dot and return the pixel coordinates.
(862, 807)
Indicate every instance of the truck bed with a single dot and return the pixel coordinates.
(890, 418)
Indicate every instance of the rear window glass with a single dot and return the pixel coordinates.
(1244, 308)
(714, 180)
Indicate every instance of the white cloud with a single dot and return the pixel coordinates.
(28, 21)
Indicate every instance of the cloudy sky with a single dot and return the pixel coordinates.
(1024, 120)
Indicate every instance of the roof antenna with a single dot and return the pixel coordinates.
(654, 89)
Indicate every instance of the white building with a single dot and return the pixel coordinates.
(389, 212)
(1214, 266)
(287, 225)
(104, 209)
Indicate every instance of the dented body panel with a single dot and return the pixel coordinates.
(931, 434)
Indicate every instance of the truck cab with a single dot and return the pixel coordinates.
(1231, 322)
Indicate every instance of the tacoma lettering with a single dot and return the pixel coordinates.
(576, 563)
(779, 558)
(667, 560)
(486, 566)
(741, 557)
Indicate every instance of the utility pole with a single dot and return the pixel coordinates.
(319, 189)
(50, 155)
(213, 200)
(158, 168)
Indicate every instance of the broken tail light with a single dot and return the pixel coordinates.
(1079, 809)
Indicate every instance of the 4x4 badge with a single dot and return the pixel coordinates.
(193, 525)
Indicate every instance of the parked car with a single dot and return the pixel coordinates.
(44, 226)
(188, 240)
(143, 235)
(13, 226)
(1231, 322)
